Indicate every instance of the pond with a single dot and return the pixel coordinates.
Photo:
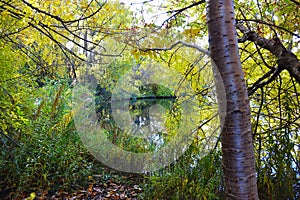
(146, 128)
(141, 116)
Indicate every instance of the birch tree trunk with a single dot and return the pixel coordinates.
(236, 137)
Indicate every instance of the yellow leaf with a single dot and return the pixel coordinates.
(193, 32)
(31, 197)
(136, 54)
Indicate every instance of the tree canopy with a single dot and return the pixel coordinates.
(47, 47)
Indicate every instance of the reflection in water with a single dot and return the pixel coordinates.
(148, 122)
(149, 119)
(147, 116)
(141, 109)
(102, 102)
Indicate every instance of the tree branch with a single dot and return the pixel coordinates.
(269, 24)
(285, 58)
(59, 18)
(194, 46)
(274, 72)
(296, 2)
(178, 11)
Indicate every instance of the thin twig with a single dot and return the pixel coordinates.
(194, 46)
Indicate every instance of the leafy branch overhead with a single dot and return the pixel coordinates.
(286, 60)
(58, 23)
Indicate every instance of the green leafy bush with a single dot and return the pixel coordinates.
(49, 155)
(189, 178)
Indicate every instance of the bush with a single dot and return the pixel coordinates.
(44, 161)
(49, 156)
(189, 178)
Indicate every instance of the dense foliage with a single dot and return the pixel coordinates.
(47, 47)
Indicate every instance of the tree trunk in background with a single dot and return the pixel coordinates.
(237, 145)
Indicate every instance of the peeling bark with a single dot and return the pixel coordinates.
(236, 137)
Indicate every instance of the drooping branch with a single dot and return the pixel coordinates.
(59, 18)
(194, 46)
(187, 7)
(270, 25)
(296, 2)
(178, 11)
(260, 83)
(50, 31)
(285, 58)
